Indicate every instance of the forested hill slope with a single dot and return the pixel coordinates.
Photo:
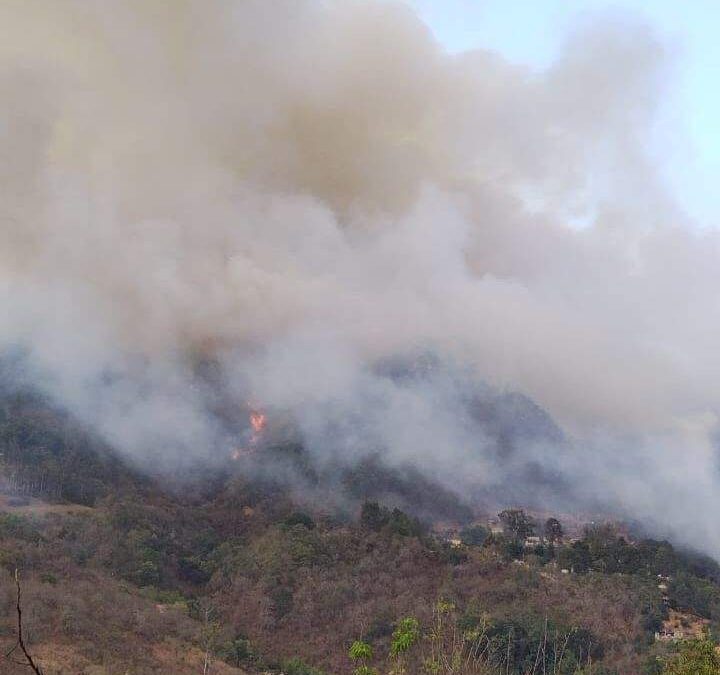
(234, 571)
(125, 573)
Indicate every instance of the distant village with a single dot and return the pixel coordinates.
(534, 535)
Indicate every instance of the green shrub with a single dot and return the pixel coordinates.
(373, 516)
(474, 535)
(360, 650)
(376, 517)
(696, 657)
(405, 636)
(194, 569)
(282, 600)
(299, 518)
(18, 527)
(297, 667)
(518, 642)
(404, 525)
(365, 670)
(237, 651)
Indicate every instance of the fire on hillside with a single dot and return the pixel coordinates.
(258, 423)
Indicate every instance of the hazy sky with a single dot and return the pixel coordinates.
(532, 32)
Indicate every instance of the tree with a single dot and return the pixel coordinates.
(553, 530)
(696, 657)
(405, 636)
(373, 516)
(403, 524)
(575, 557)
(361, 652)
(517, 523)
(237, 651)
(474, 535)
(209, 634)
(30, 662)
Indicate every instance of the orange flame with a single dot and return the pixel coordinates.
(258, 422)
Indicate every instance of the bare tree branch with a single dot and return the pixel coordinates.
(20, 641)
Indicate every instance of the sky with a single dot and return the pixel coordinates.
(688, 129)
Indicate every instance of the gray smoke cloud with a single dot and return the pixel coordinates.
(297, 190)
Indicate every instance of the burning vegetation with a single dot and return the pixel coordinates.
(258, 423)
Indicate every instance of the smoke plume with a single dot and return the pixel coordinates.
(297, 192)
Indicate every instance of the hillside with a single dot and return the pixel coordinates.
(124, 573)
(359, 337)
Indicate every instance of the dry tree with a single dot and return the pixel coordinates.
(29, 661)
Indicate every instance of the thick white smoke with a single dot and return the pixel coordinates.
(297, 189)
